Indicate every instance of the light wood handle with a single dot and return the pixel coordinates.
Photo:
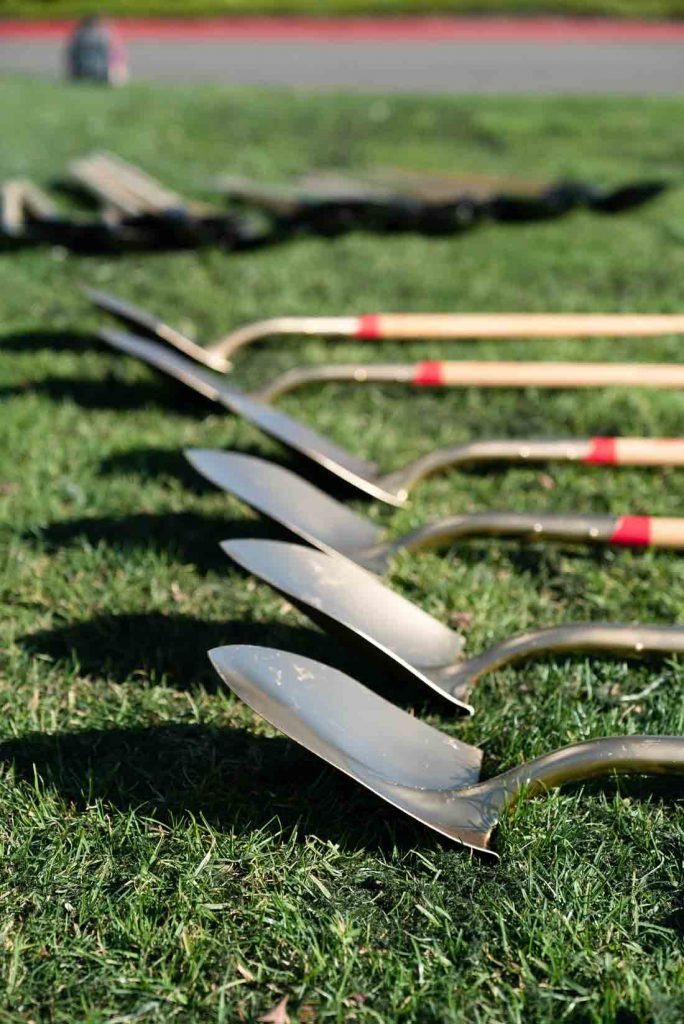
(504, 374)
(648, 531)
(667, 532)
(636, 451)
(518, 325)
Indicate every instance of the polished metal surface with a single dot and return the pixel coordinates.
(347, 600)
(286, 498)
(424, 772)
(331, 526)
(139, 318)
(409, 643)
(283, 428)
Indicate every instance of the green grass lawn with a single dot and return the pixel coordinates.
(165, 854)
(343, 8)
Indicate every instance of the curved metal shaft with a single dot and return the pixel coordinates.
(580, 529)
(299, 376)
(478, 808)
(401, 481)
(307, 325)
(608, 451)
(572, 638)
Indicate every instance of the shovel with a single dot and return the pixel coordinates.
(392, 488)
(329, 525)
(351, 603)
(479, 373)
(418, 769)
(397, 327)
(142, 202)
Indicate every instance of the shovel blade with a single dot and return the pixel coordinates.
(346, 599)
(411, 765)
(286, 498)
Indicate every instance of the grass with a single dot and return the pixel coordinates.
(166, 855)
(344, 8)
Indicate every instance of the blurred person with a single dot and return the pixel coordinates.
(95, 53)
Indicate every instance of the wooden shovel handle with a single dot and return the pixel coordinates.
(517, 325)
(502, 374)
(635, 451)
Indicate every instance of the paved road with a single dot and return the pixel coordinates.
(514, 65)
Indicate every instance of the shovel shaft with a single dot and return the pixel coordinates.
(592, 759)
(482, 373)
(517, 325)
(606, 451)
(636, 531)
(495, 374)
(574, 638)
(445, 326)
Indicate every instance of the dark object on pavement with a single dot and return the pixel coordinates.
(95, 53)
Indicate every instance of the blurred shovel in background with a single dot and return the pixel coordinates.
(393, 487)
(396, 327)
(332, 202)
(408, 643)
(427, 774)
(327, 524)
(141, 201)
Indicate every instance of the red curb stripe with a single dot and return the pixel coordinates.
(368, 326)
(603, 451)
(428, 374)
(546, 30)
(632, 530)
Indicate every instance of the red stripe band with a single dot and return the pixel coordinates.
(368, 326)
(428, 374)
(632, 530)
(602, 450)
(416, 29)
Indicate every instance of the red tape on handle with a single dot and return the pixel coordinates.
(602, 451)
(632, 530)
(428, 374)
(368, 326)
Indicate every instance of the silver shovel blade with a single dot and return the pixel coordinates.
(413, 766)
(347, 599)
(132, 315)
(285, 429)
(286, 498)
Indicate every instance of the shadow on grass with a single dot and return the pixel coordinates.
(231, 778)
(115, 394)
(151, 463)
(172, 649)
(186, 537)
(157, 464)
(228, 776)
(163, 648)
(46, 341)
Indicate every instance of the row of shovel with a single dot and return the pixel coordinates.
(136, 211)
(335, 580)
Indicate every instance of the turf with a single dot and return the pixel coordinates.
(166, 855)
(340, 8)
